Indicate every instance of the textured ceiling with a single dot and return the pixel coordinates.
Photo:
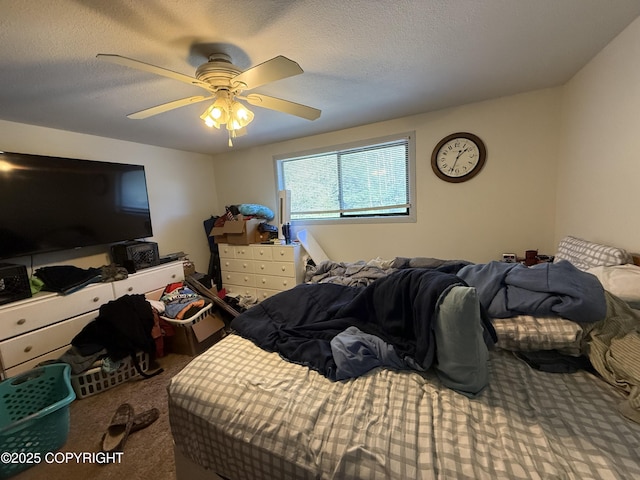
(364, 60)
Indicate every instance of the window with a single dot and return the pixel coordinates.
(370, 180)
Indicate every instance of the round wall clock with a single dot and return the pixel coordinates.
(458, 157)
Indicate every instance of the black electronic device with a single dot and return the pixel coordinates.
(135, 255)
(14, 283)
(50, 203)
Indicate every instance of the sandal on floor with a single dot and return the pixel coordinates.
(144, 419)
(118, 429)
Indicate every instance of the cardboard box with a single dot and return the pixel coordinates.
(195, 339)
(237, 232)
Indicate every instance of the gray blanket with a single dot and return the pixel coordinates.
(361, 273)
(355, 274)
(558, 289)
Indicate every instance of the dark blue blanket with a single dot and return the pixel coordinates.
(300, 323)
(546, 289)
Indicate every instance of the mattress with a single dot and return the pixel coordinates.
(248, 414)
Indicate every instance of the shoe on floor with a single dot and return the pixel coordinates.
(144, 419)
(119, 429)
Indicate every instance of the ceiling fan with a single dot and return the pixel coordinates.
(225, 84)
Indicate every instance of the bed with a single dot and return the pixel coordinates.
(243, 412)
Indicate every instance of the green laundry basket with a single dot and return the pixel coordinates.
(34, 416)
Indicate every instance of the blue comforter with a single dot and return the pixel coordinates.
(399, 309)
(325, 326)
(546, 289)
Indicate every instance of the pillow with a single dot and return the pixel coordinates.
(584, 254)
(621, 280)
(524, 333)
(261, 211)
(462, 355)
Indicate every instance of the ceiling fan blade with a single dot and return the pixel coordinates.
(280, 105)
(146, 67)
(165, 107)
(275, 69)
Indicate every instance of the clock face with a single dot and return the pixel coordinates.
(458, 157)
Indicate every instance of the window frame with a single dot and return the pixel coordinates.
(359, 144)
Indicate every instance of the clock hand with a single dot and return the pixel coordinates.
(457, 157)
(461, 152)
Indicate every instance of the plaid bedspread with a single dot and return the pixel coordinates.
(248, 414)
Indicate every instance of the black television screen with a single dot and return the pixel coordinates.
(49, 204)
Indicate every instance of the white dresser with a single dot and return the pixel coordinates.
(260, 270)
(42, 327)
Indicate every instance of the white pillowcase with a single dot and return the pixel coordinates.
(623, 281)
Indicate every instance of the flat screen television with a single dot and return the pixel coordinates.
(50, 204)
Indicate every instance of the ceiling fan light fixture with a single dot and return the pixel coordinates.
(218, 112)
(241, 116)
(226, 110)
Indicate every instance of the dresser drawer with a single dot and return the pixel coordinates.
(236, 265)
(243, 251)
(237, 278)
(39, 312)
(284, 253)
(274, 283)
(262, 252)
(25, 347)
(235, 251)
(240, 290)
(281, 269)
(144, 281)
(226, 251)
(263, 293)
(34, 362)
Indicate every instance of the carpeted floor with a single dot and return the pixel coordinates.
(148, 453)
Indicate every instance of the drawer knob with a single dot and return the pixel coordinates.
(22, 321)
(173, 276)
(28, 348)
(96, 299)
(285, 283)
(264, 280)
(226, 264)
(246, 279)
(262, 267)
(130, 289)
(284, 268)
(244, 265)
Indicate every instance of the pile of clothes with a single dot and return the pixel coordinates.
(67, 279)
(178, 301)
(128, 325)
(122, 328)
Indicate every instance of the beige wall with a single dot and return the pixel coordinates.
(508, 207)
(599, 166)
(181, 191)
